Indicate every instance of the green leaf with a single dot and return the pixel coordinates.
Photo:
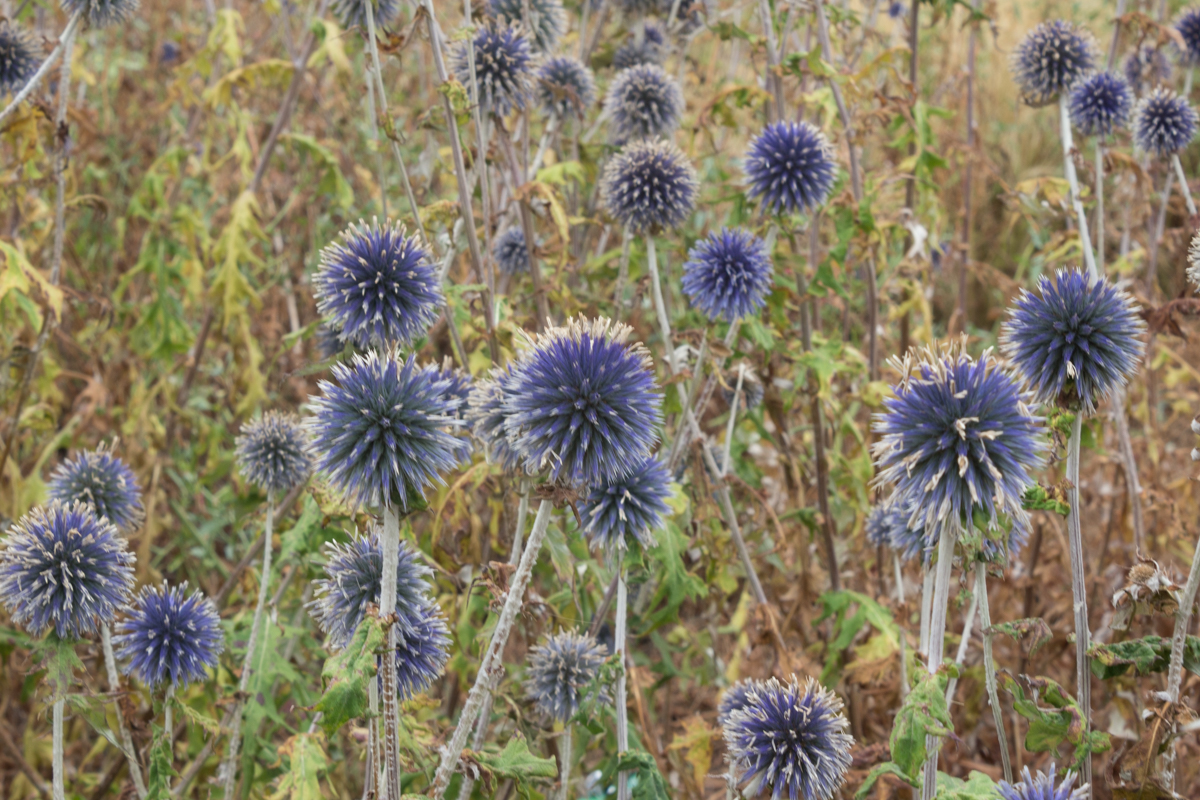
(345, 698)
(924, 712)
(650, 784)
(306, 757)
(57, 656)
(846, 628)
(1033, 628)
(676, 584)
(1060, 722)
(332, 182)
(1039, 498)
(886, 768)
(160, 772)
(299, 540)
(977, 786)
(1146, 655)
(516, 762)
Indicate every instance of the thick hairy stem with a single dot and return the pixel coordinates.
(491, 659)
(1085, 239)
(989, 667)
(1184, 189)
(64, 40)
(57, 784)
(899, 577)
(926, 603)
(114, 686)
(963, 643)
(1083, 688)
(169, 719)
(937, 639)
(564, 763)
(1183, 619)
(371, 774)
(390, 546)
(1100, 205)
(619, 647)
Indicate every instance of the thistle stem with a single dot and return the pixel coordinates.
(963, 643)
(380, 175)
(1184, 189)
(774, 78)
(1099, 205)
(371, 776)
(899, 577)
(622, 274)
(619, 647)
(927, 576)
(564, 759)
(169, 719)
(543, 143)
(1183, 619)
(1085, 239)
(734, 405)
(66, 37)
(989, 667)
(1083, 688)
(937, 637)
(114, 686)
(390, 546)
(57, 783)
(660, 307)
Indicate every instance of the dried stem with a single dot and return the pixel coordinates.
(1099, 146)
(390, 546)
(963, 643)
(774, 76)
(937, 639)
(620, 648)
(734, 405)
(622, 274)
(114, 686)
(1184, 189)
(1083, 688)
(1085, 239)
(1183, 619)
(972, 45)
(989, 667)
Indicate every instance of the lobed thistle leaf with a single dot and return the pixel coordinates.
(1042, 787)
(1100, 104)
(1051, 59)
(644, 102)
(102, 481)
(560, 670)
(1163, 123)
(503, 68)
(272, 452)
(630, 507)
(790, 168)
(728, 275)
(169, 635)
(565, 88)
(649, 186)
(547, 19)
(19, 57)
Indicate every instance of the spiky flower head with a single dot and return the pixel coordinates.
(1042, 787)
(897, 10)
(646, 45)
(1163, 123)
(1101, 103)
(456, 388)
(790, 167)
(169, 635)
(789, 740)
(582, 404)
(383, 431)
(1193, 268)
(1188, 25)
(422, 649)
(629, 507)
(503, 68)
(898, 524)
(19, 57)
(560, 670)
(353, 581)
(1075, 340)
(1050, 59)
(65, 568)
(329, 341)
(378, 285)
(353, 13)
(649, 186)
(101, 13)
(565, 87)
(734, 699)
(487, 415)
(547, 19)
(101, 480)
(957, 438)
(1145, 68)
(510, 252)
(878, 527)
(728, 275)
(272, 452)
(644, 102)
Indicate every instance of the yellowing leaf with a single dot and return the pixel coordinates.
(696, 743)
(19, 274)
(271, 73)
(333, 46)
(306, 757)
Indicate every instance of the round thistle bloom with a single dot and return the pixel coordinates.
(353, 13)
(379, 286)
(1043, 787)
(629, 507)
(330, 343)
(1188, 25)
(560, 669)
(19, 57)
(547, 19)
(487, 416)
(272, 452)
(456, 388)
(1101, 103)
(897, 10)
(510, 252)
(878, 527)
(565, 87)
(728, 275)
(734, 699)
(383, 432)
(582, 402)
(99, 479)
(65, 568)
(421, 649)
(645, 46)
(650, 185)
(957, 437)
(503, 68)
(1050, 59)
(789, 740)
(1075, 341)
(1163, 123)
(169, 635)
(101, 13)
(644, 102)
(1146, 68)
(790, 167)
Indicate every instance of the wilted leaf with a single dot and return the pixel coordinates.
(696, 743)
(1034, 629)
(924, 712)
(348, 671)
(306, 758)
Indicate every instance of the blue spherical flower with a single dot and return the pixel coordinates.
(19, 58)
(1076, 340)
(629, 507)
(649, 185)
(503, 68)
(456, 388)
(899, 524)
(1163, 123)
(329, 341)
(897, 10)
(510, 252)
(1146, 68)
(646, 45)
(1188, 25)
(565, 87)
(560, 670)
(65, 568)
(422, 643)
(487, 415)
(728, 275)
(957, 438)
(547, 19)
(352, 582)
(384, 431)
(790, 167)
(1043, 787)
(878, 527)
(582, 403)
(789, 741)
(1101, 103)
(1050, 59)
(101, 480)
(735, 698)
(353, 13)
(100, 13)
(644, 102)
(272, 452)
(379, 286)
(169, 635)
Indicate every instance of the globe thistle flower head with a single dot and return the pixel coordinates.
(728, 275)
(547, 19)
(65, 568)
(1051, 59)
(1075, 340)
(103, 481)
(565, 87)
(1163, 123)
(1146, 68)
(734, 699)
(957, 437)
(272, 452)
(19, 57)
(649, 186)
(753, 390)
(353, 581)
(644, 102)
(383, 430)
(560, 670)
(101, 13)
(1193, 268)
(1188, 25)
(789, 740)
(329, 341)
(456, 389)
(353, 13)
(1101, 103)
(647, 45)
(897, 10)
(487, 416)
(878, 527)
(169, 635)
(378, 285)
(582, 404)
(503, 68)
(629, 507)
(1042, 787)
(790, 167)
(510, 252)
(422, 649)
